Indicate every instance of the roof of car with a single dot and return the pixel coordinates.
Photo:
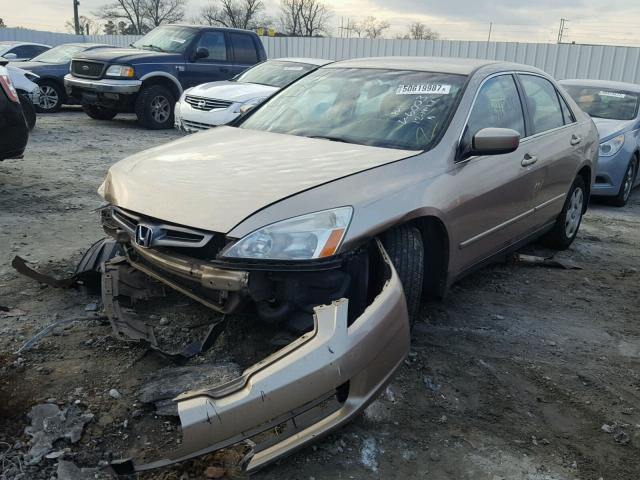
(16, 42)
(310, 61)
(81, 44)
(632, 87)
(461, 66)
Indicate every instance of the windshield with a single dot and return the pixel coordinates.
(166, 39)
(275, 73)
(59, 54)
(384, 108)
(609, 103)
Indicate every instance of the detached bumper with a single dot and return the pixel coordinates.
(305, 390)
(72, 83)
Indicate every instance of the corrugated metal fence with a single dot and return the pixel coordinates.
(561, 61)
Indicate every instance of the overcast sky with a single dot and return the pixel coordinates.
(590, 21)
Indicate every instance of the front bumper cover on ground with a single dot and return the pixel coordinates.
(294, 390)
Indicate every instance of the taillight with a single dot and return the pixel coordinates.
(8, 88)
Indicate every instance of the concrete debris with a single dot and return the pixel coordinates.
(48, 424)
(113, 393)
(606, 428)
(70, 471)
(168, 383)
(368, 454)
(430, 383)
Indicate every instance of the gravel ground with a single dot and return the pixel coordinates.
(521, 373)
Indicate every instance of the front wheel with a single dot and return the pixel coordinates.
(622, 198)
(51, 97)
(568, 222)
(99, 113)
(405, 248)
(154, 107)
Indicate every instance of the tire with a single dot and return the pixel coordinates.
(28, 110)
(99, 113)
(154, 107)
(568, 222)
(405, 248)
(626, 186)
(51, 97)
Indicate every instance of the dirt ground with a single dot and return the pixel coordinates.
(523, 372)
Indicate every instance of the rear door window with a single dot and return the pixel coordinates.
(24, 51)
(216, 44)
(497, 106)
(244, 50)
(542, 101)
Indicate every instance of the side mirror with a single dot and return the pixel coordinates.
(491, 141)
(202, 52)
(10, 56)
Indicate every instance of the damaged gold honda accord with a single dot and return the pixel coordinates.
(332, 209)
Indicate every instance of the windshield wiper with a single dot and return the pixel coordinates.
(154, 47)
(326, 137)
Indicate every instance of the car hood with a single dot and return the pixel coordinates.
(32, 66)
(232, 91)
(129, 55)
(610, 128)
(215, 179)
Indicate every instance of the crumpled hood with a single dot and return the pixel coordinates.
(215, 179)
(611, 128)
(232, 91)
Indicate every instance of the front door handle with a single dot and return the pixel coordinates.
(528, 160)
(575, 139)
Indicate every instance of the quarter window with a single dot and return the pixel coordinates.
(244, 51)
(543, 104)
(566, 111)
(215, 43)
(497, 106)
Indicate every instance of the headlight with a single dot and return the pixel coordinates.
(249, 104)
(316, 235)
(611, 147)
(120, 71)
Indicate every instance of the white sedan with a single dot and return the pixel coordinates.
(217, 103)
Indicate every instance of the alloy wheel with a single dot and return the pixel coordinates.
(628, 181)
(48, 97)
(160, 109)
(574, 213)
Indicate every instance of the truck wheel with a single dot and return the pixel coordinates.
(51, 97)
(568, 222)
(28, 110)
(99, 113)
(154, 107)
(621, 199)
(406, 250)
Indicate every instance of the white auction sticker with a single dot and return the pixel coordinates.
(612, 94)
(292, 69)
(424, 89)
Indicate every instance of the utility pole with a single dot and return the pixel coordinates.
(562, 28)
(490, 28)
(76, 18)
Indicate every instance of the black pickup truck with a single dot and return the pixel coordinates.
(149, 78)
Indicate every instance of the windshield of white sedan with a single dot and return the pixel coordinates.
(275, 73)
(166, 39)
(601, 102)
(60, 54)
(384, 108)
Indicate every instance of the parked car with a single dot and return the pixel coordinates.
(20, 51)
(28, 92)
(332, 209)
(15, 132)
(148, 78)
(51, 67)
(614, 109)
(217, 103)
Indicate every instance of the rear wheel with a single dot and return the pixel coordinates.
(154, 107)
(405, 248)
(28, 110)
(51, 97)
(568, 222)
(622, 198)
(99, 113)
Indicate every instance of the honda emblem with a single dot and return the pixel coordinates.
(144, 236)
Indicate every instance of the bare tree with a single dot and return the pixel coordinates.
(131, 11)
(2, 25)
(233, 13)
(304, 18)
(87, 25)
(419, 31)
(371, 27)
(158, 12)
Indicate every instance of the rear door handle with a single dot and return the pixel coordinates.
(528, 160)
(575, 139)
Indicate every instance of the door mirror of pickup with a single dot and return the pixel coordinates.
(201, 52)
(490, 141)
